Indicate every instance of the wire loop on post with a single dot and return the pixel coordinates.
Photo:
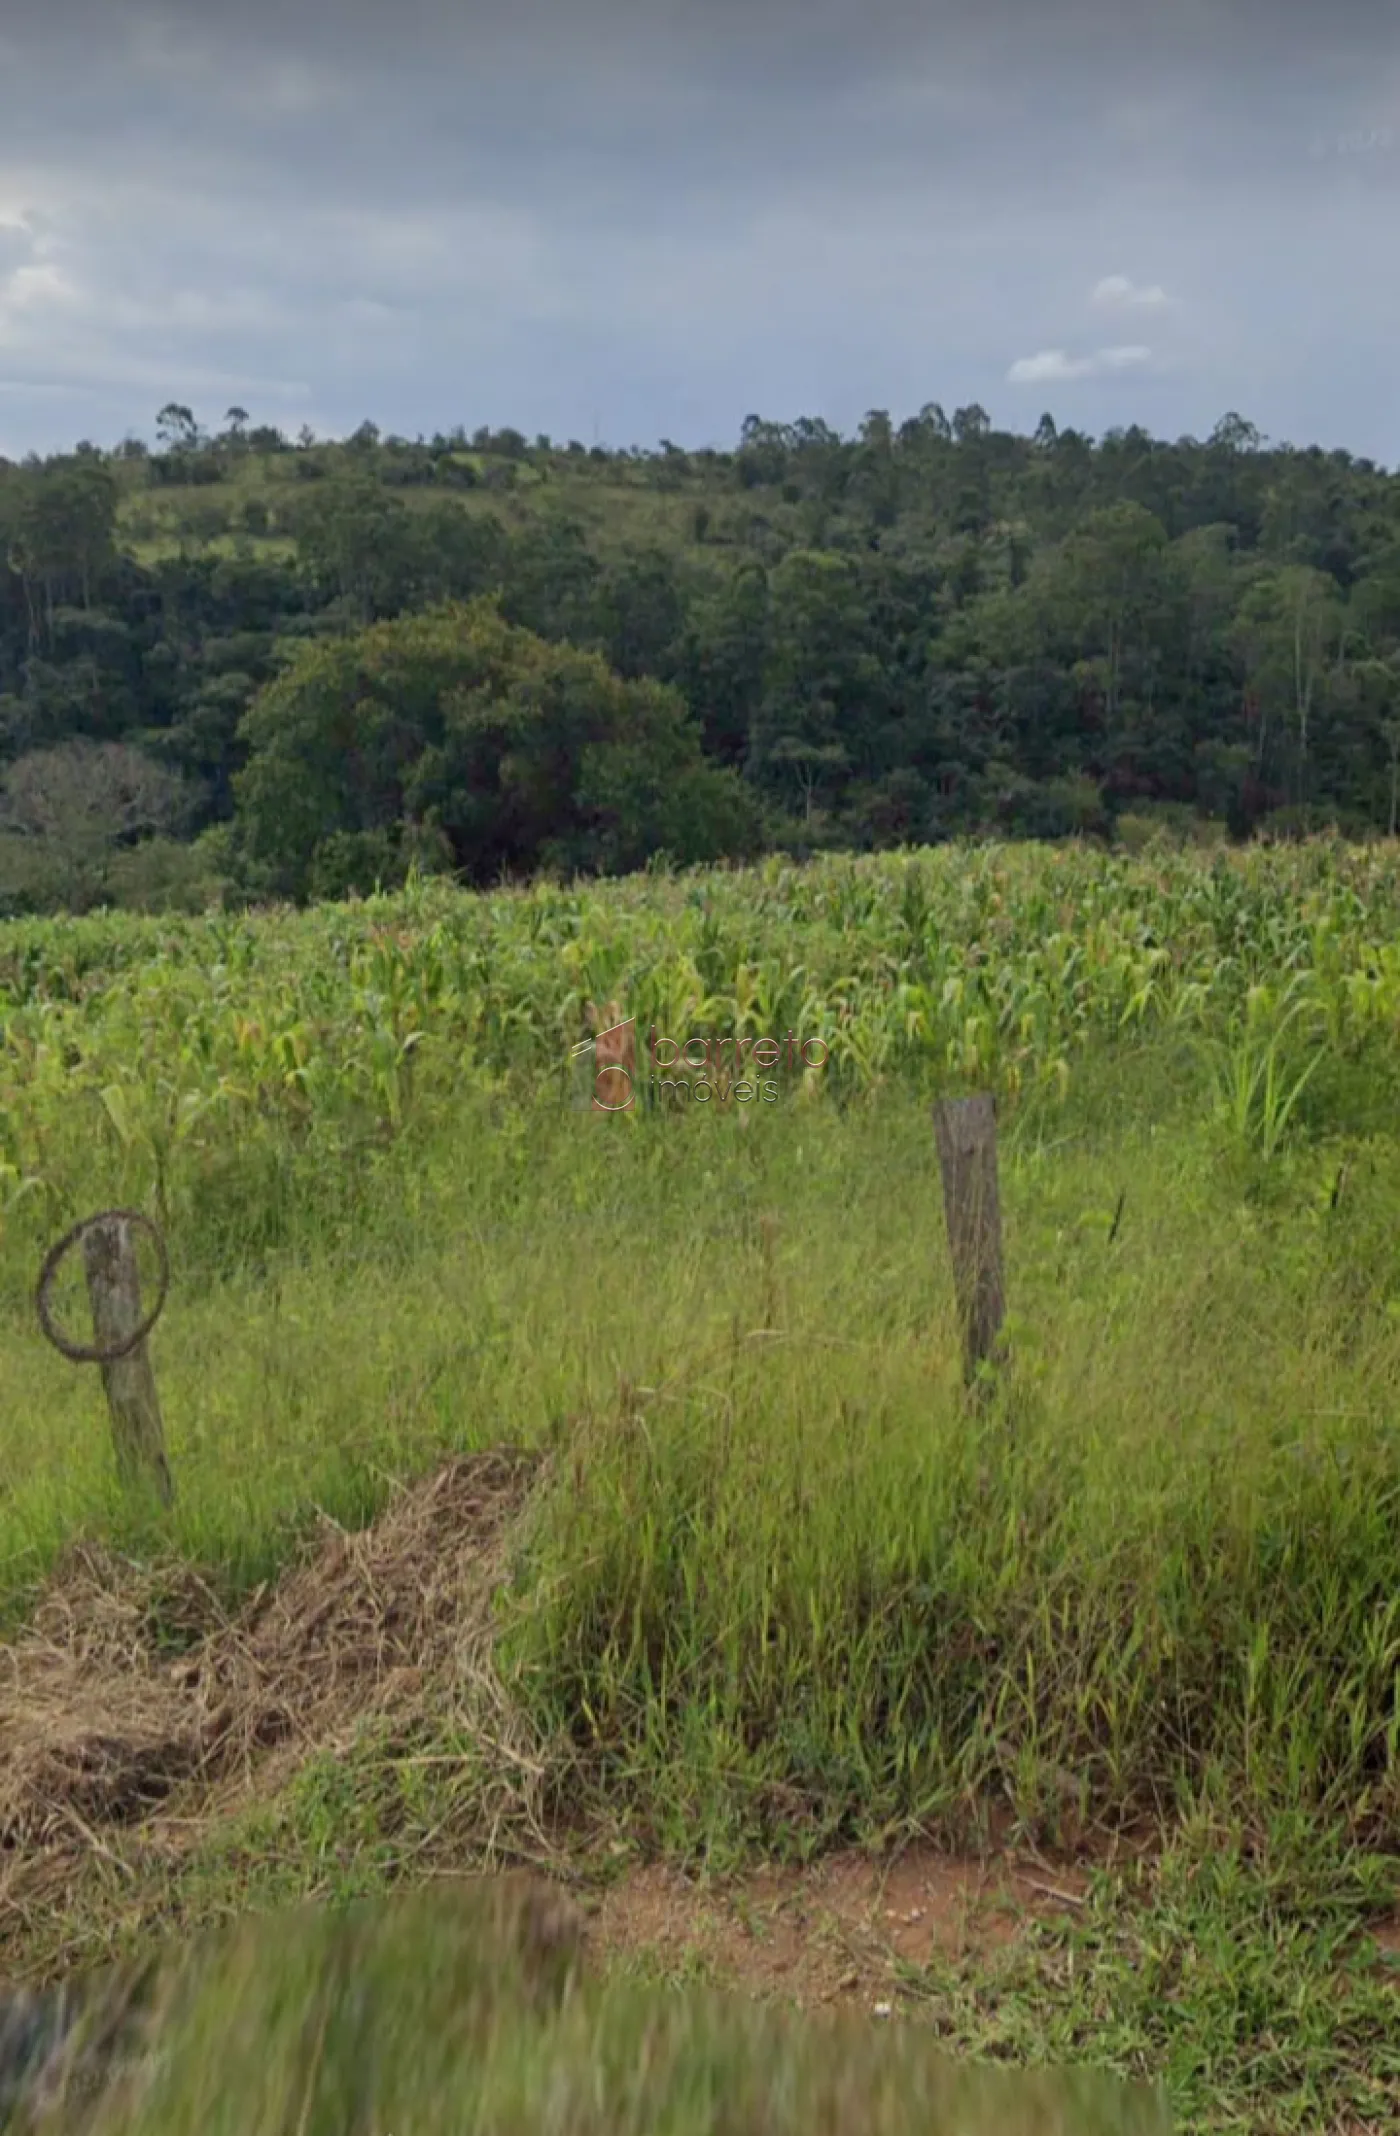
(91, 1353)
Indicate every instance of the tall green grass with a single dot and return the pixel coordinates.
(783, 1585)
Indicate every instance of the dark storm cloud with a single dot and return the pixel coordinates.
(653, 218)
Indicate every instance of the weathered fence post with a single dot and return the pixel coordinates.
(966, 1134)
(114, 1288)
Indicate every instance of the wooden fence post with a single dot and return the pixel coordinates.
(966, 1134)
(114, 1288)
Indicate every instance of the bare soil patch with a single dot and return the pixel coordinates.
(834, 1932)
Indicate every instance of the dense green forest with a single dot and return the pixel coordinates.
(245, 664)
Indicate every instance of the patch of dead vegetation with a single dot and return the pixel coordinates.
(101, 1734)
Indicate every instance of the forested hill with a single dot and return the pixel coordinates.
(929, 629)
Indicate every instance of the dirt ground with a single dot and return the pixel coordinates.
(832, 1932)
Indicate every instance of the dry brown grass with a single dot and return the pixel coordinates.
(112, 1751)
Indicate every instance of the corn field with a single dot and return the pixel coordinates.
(139, 1049)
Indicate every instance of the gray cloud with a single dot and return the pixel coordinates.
(654, 218)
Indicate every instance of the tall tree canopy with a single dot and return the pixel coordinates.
(455, 733)
(933, 627)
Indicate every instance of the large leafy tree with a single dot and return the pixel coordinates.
(507, 751)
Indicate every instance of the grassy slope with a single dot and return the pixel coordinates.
(620, 507)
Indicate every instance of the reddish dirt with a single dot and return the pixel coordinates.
(841, 1932)
(836, 1932)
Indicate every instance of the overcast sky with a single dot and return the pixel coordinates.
(620, 221)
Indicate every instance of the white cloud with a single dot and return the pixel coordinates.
(33, 299)
(1055, 366)
(29, 287)
(1116, 293)
(1046, 365)
(24, 243)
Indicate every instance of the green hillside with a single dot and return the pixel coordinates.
(928, 630)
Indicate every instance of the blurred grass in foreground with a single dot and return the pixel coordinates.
(434, 2013)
